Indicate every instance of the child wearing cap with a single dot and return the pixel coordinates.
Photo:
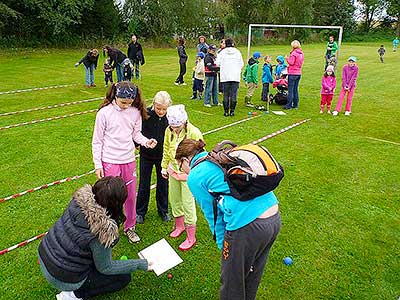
(251, 77)
(116, 132)
(349, 77)
(198, 77)
(181, 200)
(211, 71)
(328, 89)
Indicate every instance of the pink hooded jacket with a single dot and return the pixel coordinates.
(295, 62)
(328, 85)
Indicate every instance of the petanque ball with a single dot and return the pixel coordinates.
(124, 257)
(288, 261)
(169, 276)
(254, 113)
(249, 113)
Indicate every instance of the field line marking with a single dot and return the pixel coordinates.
(37, 89)
(381, 140)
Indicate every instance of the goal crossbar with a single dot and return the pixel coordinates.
(296, 26)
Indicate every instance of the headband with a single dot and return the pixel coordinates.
(127, 92)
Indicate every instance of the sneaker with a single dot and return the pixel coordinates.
(321, 111)
(193, 98)
(219, 104)
(176, 83)
(183, 83)
(232, 114)
(335, 113)
(165, 217)
(249, 104)
(285, 107)
(328, 112)
(93, 85)
(106, 85)
(139, 219)
(226, 114)
(67, 296)
(132, 235)
(347, 113)
(207, 105)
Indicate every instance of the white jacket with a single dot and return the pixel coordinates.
(231, 63)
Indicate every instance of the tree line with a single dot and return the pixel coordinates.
(68, 22)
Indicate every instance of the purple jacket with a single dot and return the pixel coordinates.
(328, 85)
(295, 62)
(349, 77)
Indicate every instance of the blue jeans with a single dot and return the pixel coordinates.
(120, 72)
(293, 91)
(211, 90)
(89, 74)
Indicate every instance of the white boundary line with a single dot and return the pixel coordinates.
(38, 89)
(380, 140)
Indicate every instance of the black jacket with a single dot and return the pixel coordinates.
(135, 53)
(116, 56)
(154, 127)
(65, 250)
(210, 68)
(89, 60)
(182, 54)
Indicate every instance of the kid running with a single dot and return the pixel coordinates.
(349, 77)
(118, 127)
(328, 89)
(153, 127)
(182, 201)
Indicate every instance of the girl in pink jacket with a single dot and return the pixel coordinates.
(118, 127)
(349, 77)
(328, 89)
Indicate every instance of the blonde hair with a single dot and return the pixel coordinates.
(163, 98)
(295, 44)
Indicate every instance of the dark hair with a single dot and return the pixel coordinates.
(138, 102)
(110, 192)
(229, 42)
(326, 74)
(181, 41)
(189, 147)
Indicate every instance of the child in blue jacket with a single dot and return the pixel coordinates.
(280, 66)
(266, 77)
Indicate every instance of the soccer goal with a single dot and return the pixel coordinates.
(270, 26)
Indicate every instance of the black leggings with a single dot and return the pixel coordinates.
(182, 71)
(97, 284)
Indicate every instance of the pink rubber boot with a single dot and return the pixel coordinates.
(190, 238)
(179, 227)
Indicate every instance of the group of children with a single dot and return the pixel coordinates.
(122, 123)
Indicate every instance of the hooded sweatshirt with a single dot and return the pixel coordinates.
(231, 63)
(328, 85)
(295, 62)
(251, 72)
(280, 66)
(349, 76)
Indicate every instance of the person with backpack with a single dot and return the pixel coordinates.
(244, 230)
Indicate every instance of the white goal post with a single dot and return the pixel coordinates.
(295, 26)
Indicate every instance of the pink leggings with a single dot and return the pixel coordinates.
(349, 100)
(128, 174)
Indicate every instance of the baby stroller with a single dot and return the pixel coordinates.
(127, 69)
(281, 85)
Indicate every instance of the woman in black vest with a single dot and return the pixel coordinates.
(75, 255)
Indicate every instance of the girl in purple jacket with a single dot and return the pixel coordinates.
(349, 77)
(328, 89)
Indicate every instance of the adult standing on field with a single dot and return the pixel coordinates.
(135, 54)
(182, 61)
(116, 58)
(90, 63)
(244, 230)
(231, 63)
(295, 63)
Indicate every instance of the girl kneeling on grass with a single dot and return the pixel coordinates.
(117, 129)
(75, 255)
(245, 230)
(182, 203)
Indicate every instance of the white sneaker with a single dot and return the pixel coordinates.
(347, 113)
(328, 112)
(335, 113)
(67, 296)
(176, 83)
(183, 83)
(321, 111)
(207, 105)
(132, 236)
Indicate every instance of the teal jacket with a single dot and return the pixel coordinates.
(251, 73)
(233, 214)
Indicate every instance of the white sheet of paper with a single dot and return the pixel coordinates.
(278, 112)
(162, 255)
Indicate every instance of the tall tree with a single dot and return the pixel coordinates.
(371, 11)
(394, 11)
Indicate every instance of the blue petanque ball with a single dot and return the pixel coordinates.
(288, 261)
(249, 113)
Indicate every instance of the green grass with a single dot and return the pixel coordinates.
(339, 199)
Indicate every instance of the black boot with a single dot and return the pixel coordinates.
(226, 113)
(233, 106)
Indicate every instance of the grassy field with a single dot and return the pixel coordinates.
(339, 199)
